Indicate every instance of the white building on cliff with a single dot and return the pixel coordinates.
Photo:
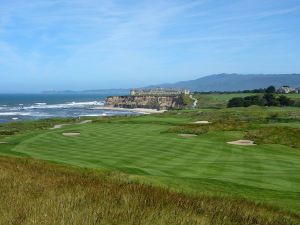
(287, 90)
(158, 92)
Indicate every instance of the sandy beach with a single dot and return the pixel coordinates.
(138, 110)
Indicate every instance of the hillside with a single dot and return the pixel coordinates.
(235, 82)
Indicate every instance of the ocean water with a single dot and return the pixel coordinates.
(15, 107)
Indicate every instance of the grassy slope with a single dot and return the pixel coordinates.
(35, 193)
(140, 147)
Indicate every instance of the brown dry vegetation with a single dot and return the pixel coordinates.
(204, 128)
(34, 192)
(276, 135)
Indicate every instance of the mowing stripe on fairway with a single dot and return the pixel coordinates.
(144, 149)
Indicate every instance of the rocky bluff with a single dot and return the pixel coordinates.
(149, 102)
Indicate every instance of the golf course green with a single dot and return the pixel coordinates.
(150, 151)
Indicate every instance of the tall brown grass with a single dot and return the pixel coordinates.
(198, 129)
(35, 192)
(276, 135)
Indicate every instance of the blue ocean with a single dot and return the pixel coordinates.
(16, 107)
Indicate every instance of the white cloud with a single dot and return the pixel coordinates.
(56, 38)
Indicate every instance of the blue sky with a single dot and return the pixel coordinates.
(93, 44)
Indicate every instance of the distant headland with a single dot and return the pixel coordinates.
(156, 98)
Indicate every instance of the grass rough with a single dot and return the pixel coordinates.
(35, 193)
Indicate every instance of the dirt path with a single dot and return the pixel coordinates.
(195, 101)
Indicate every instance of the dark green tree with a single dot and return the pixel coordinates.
(270, 99)
(253, 100)
(236, 102)
(285, 101)
(271, 89)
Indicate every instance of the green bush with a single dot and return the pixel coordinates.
(268, 99)
(236, 102)
(271, 89)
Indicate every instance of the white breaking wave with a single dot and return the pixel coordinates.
(24, 114)
(86, 115)
(38, 109)
(14, 114)
(87, 103)
(64, 105)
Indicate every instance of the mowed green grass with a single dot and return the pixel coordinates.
(140, 147)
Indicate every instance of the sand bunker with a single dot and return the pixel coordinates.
(187, 135)
(71, 134)
(85, 121)
(202, 122)
(58, 126)
(242, 142)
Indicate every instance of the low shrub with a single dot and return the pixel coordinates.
(198, 129)
(268, 99)
(276, 135)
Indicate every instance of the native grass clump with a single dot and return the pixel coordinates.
(199, 129)
(33, 192)
(276, 135)
(23, 126)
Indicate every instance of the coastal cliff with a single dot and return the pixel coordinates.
(149, 102)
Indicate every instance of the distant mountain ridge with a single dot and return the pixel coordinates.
(216, 82)
(235, 82)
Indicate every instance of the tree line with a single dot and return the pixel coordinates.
(267, 98)
(270, 89)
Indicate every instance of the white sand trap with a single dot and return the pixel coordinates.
(58, 126)
(202, 122)
(71, 134)
(242, 142)
(85, 121)
(187, 135)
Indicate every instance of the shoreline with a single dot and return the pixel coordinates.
(138, 110)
